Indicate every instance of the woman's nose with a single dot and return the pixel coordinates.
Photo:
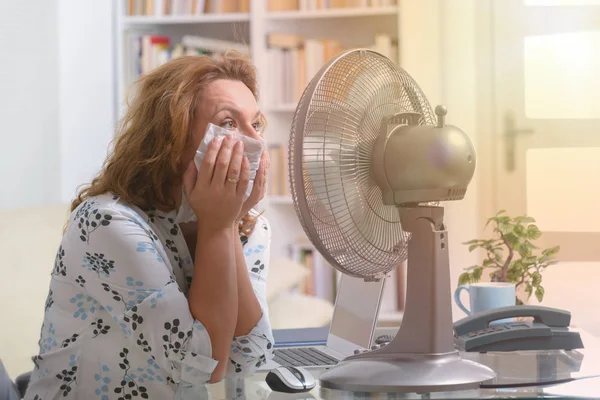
(251, 132)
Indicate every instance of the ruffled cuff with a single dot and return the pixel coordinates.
(196, 362)
(248, 352)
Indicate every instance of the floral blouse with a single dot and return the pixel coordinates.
(117, 323)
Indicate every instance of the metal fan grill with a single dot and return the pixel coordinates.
(343, 126)
(368, 163)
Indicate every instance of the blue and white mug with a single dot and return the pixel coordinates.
(485, 296)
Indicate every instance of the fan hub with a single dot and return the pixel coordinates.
(416, 163)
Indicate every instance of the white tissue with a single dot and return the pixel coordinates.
(253, 149)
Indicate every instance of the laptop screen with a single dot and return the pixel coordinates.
(356, 311)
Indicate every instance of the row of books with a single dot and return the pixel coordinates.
(294, 60)
(322, 278)
(145, 51)
(278, 180)
(309, 5)
(197, 7)
(185, 7)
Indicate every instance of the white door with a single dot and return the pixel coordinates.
(547, 137)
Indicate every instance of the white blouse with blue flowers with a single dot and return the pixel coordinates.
(117, 322)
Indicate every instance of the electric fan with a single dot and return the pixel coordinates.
(369, 162)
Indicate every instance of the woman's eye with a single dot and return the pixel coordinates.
(229, 124)
(257, 126)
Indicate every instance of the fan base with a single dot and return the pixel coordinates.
(412, 374)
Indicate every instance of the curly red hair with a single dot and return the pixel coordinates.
(145, 161)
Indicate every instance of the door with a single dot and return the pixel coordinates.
(547, 136)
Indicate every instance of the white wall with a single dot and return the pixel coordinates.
(459, 94)
(438, 49)
(56, 110)
(56, 105)
(420, 47)
(86, 89)
(29, 154)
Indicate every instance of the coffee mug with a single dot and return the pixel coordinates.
(486, 296)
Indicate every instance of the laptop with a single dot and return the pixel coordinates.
(352, 325)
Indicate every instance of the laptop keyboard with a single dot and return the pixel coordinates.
(302, 357)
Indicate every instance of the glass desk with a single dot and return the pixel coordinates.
(529, 374)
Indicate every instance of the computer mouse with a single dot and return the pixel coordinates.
(384, 339)
(290, 380)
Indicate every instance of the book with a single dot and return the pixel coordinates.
(278, 180)
(294, 60)
(184, 7)
(314, 5)
(145, 51)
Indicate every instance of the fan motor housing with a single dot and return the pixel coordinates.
(423, 163)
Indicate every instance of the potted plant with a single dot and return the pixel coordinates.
(511, 255)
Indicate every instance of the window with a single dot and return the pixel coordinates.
(562, 76)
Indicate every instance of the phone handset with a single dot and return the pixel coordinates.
(551, 317)
(549, 330)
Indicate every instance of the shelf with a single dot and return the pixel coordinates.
(184, 19)
(283, 108)
(333, 13)
(283, 200)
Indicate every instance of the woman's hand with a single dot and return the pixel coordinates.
(260, 185)
(216, 191)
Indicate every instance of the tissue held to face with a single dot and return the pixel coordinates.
(226, 107)
(228, 104)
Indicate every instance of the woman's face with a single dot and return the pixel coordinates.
(228, 104)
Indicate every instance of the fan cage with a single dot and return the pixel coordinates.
(337, 121)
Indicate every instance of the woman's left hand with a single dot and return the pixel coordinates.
(260, 184)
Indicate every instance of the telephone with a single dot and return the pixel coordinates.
(549, 330)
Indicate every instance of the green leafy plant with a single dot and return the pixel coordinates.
(510, 255)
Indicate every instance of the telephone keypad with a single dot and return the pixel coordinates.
(488, 330)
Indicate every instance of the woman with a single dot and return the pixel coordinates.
(139, 306)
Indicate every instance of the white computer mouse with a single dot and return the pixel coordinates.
(290, 380)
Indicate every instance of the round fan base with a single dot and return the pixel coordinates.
(430, 373)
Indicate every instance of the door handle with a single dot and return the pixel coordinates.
(511, 132)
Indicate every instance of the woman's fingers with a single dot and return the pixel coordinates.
(207, 167)
(242, 185)
(223, 160)
(262, 174)
(235, 165)
(260, 181)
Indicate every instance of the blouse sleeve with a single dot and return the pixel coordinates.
(123, 269)
(250, 351)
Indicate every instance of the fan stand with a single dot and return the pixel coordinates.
(421, 358)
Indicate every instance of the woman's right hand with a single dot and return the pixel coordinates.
(216, 192)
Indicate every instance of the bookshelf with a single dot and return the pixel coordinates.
(282, 108)
(184, 19)
(347, 12)
(281, 200)
(316, 24)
